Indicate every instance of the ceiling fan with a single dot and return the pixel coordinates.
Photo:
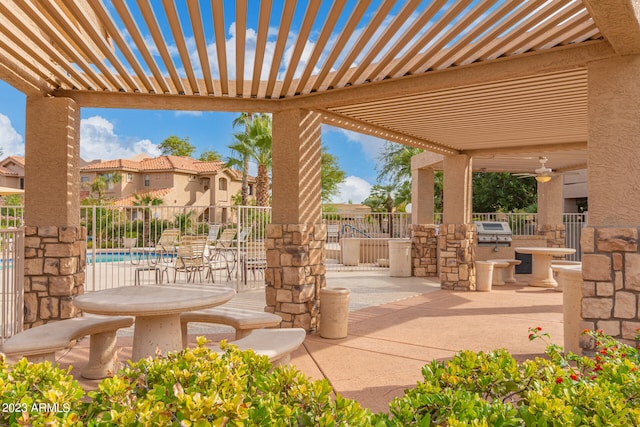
(542, 174)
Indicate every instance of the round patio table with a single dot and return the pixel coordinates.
(542, 274)
(156, 309)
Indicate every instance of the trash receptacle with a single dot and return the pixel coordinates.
(334, 312)
(484, 276)
(400, 257)
(350, 251)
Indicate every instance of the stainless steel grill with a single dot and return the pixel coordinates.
(494, 233)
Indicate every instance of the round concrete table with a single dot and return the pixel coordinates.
(156, 309)
(542, 275)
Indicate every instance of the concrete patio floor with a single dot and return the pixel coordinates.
(397, 325)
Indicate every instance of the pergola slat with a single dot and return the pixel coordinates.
(437, 60)
(346, 33)
(241, 36)
(105, 49)
(15, 39)
(19, 56)
(113, 31)
(455, 31)
(384, 39)
(574, 27)
(363, 39)
(498, 47)
(403, 66)
(134, 33)
(261, 42)
(178, 37)
(160, 43)
(217, 10)
(199, 37)
(403, 42)
(283, 32)
(330, 22)
(78, 39)
(38, 19)
(470, 52)
(305, 30)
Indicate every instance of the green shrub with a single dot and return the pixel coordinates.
(493, 389)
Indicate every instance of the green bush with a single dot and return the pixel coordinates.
(190, 388)
(201, 388)
(493, 389)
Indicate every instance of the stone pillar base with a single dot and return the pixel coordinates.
(611, 285)
(424, 250)
(295, 273)
(54, 271)
(555, 235)
(457, 256)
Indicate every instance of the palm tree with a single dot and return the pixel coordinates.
(242, 159)
(254, 144)
(101, 183)
(146, 200)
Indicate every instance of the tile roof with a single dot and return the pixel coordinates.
(162, 163)
(129, 200)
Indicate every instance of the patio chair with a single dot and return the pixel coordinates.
(212, 238)
(254, 258)
(189, 258)
(164, 247)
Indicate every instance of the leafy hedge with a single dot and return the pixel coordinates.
(201, 388)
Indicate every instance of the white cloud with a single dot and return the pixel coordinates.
(353, 189)
(99, 141)
(188, 113)
(11, 142)
(371, 145)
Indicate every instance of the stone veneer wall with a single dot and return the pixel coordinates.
(611, 281)
(457, 256)
(295, 273)
(424, 250)
(555, 235)
(54, 270)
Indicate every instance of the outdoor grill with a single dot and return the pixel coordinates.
(493, 233)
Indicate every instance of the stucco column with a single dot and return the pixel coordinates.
(424, 243)
(550, 206)
(55, 243)
(457, 232)
(611, 260)
(295, 239)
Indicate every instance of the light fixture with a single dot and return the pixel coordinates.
(543, 178)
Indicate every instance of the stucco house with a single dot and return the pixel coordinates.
(12, 172)
(178, 181)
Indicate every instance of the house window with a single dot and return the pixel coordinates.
(22, 183)
(129, 177)
(147, 180)
(84, 179)
(250, 189)
(222, 184)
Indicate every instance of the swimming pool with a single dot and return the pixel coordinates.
(117, 256)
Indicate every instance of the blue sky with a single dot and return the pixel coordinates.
(111, 134)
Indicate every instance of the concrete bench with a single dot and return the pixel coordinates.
(243, 321)
(504, 273)
(41, 342)
(276, 344)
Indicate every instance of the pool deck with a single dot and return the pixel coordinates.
(396, 326)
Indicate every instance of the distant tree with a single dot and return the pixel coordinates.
(146, 200)
(241, 150)
(174, 146)
(331, 175)
(100, 184)
(255, 144)
(210, 156)
(502, 192)
(395, 163)
(381, 199)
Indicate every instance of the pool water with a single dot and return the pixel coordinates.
(101, 257)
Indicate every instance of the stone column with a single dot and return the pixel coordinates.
(611, 256)
(457, 232)
(424, 240)
(550, 206)
(55, 243)
(296, 238)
